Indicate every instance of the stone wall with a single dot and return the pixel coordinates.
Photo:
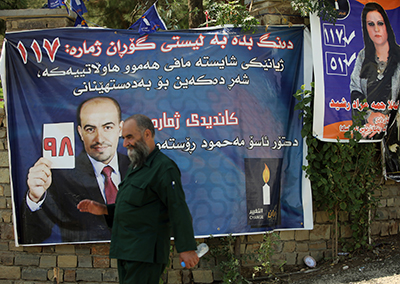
(31, 19)
(275, 12)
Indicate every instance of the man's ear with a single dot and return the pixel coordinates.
(147, 134)
(80, 132)
(121, 124)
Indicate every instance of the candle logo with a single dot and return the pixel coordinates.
(266, 189)
(263, 184)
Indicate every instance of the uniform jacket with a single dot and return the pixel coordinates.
(149, 205)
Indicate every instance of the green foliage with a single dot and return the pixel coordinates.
(227, 262)
(1, 98)
(264, 253)
(343, 175)
(230, 264)
(323, 8)
(111, 14)
(13, 4)
(174, 13)
(122, 14)
(36, 4)
(10, 4)
(232, 12)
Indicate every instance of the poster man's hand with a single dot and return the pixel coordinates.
(92, 207)
(39, 179)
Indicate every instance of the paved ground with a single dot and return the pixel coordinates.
(384, 271)
(379, 266)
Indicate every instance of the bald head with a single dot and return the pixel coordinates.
(98, 100)
(99, 126)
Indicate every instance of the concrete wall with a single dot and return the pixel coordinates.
(89, 263)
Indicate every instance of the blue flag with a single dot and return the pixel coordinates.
(78, 7)
(80, 22)
(51, 4)
(149, 22)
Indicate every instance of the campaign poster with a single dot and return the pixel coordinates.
(221, 102)
(357, 71)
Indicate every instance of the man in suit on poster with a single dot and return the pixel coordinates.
(50, 203)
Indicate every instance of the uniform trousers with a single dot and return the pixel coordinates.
(135, 272)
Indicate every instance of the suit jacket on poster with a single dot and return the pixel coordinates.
(68, 188)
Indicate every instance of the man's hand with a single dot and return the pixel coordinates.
(39, 179)
(92, 207)
(189, 257)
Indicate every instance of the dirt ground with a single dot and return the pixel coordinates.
(379, 266)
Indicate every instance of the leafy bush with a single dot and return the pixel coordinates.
(343, 176)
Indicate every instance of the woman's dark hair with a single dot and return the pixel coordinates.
(368, 44)
(394, 49)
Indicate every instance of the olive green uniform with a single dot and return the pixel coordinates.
(150, 205)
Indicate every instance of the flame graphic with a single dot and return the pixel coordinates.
(266, 174)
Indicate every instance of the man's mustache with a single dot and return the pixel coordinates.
(100, 144)
(130, 146)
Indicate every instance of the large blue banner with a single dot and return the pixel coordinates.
(221, 102)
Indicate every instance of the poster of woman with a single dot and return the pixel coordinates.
(357, 76)
(375, 80)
